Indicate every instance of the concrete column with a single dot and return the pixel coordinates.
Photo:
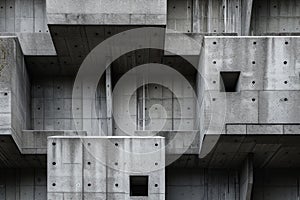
(109, 102)
(246, 178)
(246, 16)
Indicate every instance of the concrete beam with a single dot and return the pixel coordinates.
(246, 178)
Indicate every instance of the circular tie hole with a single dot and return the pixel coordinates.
(214, 43)
(39, 108)
(89, 144)
(285, 62)
(213, 99)
(214, 62)
(58, 108)
(54, 163)
(156, 185)
(89, 184)
(285, 82)
(53, 143)
(116, 144)
(116, 163)
(156, 144)
(5, 94)
(116, 184)
(253, 62)
(89, 163)
(253, 82)
(214, 82)
(53, 184)
(156, 163)
(253, 99)
(286, 42)
(285, 99)
(254, 43)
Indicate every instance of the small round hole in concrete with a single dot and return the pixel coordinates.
(156, 144)
(285, 62)
(89, 184)
(5, 94)
(89, 144)
(214, 62)
(286, 43)
(253, 82)
(89, 163)
(285, 82)
(116, 163)
(156, 185)
(253, 62)
(253, 99)
(214, 82)
(213, 99)
(53, 143)
(254, 43)
(285, 99)
(53, 163)
(116, 144)
(156, 163)
(214, 43)
(117, 185)
(53, 184)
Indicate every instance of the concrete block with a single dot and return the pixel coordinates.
(235, 129)
(278, 106)
(264, 129)
(291, 129)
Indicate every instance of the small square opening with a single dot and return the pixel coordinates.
(138, 185)
(229, 81)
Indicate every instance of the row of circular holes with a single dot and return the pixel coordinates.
(89, 163)
(286, 42)
(253, 99)
(89, 184)
(253, 82)
(253, 62)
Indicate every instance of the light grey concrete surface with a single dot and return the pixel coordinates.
(105, 12)
(100, 167)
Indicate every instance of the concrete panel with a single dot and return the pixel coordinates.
(93, 12)
(99, 169)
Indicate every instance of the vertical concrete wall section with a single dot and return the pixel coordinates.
(15, 90)
(23, 184)
(100, 167)
(28, 16)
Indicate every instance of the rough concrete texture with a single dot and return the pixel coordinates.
(39, 59)
(105, 12)
(100, 167)
(15, 90)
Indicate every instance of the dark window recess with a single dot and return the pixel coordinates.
(229, 81)
(138, 185)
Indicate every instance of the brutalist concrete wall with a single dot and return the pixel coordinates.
(201, 183)
(15, 90)
(100, 167)
(276, 184)
(51, 106)
(280, 16)
(200, 16)
(268, 84)
(23, 184)
(127, 12)
(23, 16)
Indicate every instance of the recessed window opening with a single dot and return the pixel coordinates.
(138, 185)
(229, 81)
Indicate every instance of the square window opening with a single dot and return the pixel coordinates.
(139, 185)
(229, 81)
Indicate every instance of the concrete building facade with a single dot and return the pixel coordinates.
(149, 99)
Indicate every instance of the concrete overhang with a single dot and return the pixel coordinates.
(112, 12)
(269, 150)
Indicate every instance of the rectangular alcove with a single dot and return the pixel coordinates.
(138, 185)
(229, 81)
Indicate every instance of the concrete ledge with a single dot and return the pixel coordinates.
(265, 129)
(35, 141)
